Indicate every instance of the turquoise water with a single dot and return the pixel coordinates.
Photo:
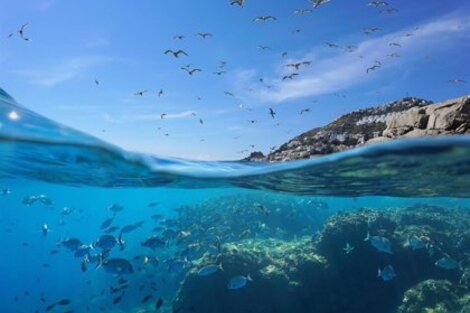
(202, 212)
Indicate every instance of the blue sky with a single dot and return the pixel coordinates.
(121, 44)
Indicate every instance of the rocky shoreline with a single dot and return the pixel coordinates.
(409, 117)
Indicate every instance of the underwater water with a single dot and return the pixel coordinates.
(88, 227)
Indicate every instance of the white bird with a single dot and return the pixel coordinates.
(317, 3)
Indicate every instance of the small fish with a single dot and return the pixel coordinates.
(118, 298)
(159, 303)
(105, 242)
(238, 282)
(177, 266)
(169, 233)
(146, 298)
(122, 281)
(84, 264)
(130, 228)
(45, 230)
(6, 191)
(50, 307)
(71, 244)
(348, 249)
(117, 266)
(154, 242)
(210, 269)
(416, 243)
(81, 251)
(107, 222)
(67, 211)
(64, 302)
(448, 264)
(115, 208)
(382, 244)
(28, 200)
(387, 273)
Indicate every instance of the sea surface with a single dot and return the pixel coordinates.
(88, 227)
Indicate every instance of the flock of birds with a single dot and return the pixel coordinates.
(382, 6)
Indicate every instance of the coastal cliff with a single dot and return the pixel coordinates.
(409, 117)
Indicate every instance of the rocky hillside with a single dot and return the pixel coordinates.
(404, 118)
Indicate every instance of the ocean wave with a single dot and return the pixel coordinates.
(34, 147)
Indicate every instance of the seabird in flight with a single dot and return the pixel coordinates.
(264, 18)
(291, 76)
(272, 113)
(140, 93)
(177, 53)
(20, 32)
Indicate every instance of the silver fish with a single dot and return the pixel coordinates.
(210, 269)
(238, 282)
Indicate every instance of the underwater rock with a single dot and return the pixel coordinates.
(447, 230)
(431, 296)
(280, 271)
(337, 272)
(242, 216)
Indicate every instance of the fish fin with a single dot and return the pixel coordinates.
(221, 267)
(379, 272)
(100, 262)
(248, 277)
(367, 237)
